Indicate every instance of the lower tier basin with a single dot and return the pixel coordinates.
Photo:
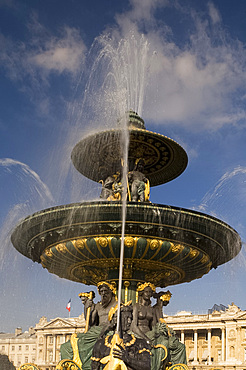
(163, 245)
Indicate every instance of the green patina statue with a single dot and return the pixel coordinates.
(144, 331)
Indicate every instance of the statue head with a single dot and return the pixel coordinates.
(107, 292)
(146, 291)
(125, 316)
(139, 165)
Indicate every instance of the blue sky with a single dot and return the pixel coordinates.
(55, 88)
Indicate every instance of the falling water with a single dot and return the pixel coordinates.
(26, 194)
(227, 201)
(115, 83)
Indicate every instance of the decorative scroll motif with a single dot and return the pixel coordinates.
(95, 259)
(67, 365)
(74, 344)
(176, 247)
(103, 242)
(164, 349)
(27, 366)
(154, 244)
(178, 367)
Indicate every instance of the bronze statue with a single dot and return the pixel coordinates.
(111, 187)
(148, 323)
(80, 347)
(162, 300)
(126, 353)
(138, 183)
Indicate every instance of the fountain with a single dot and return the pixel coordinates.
(163, 245)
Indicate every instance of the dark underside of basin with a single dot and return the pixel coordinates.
(164, 245)
(164, 158)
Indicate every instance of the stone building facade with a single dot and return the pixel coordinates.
(50, 335)
(217, 339)
(19, 347)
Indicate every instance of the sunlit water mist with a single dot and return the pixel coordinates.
(25, 194)
(227, 201)
(113, 81)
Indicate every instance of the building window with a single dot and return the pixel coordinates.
(3, 348)
(51, 340)
(51, 356)
(13, 348)
(219, 355)
(26, 359)
(19, 348)
(27, 348)
(232, 351)
(244, 354)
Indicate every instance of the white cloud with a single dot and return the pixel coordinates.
(213, 13)
(63, 54)
(200, 83)
(31, 63)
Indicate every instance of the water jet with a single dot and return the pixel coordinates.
(164, 245)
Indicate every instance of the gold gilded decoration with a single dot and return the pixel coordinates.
(67, 365)
(79, 243)
(143, 286)
(74, 344)
(90, 275)
(129, 241)
(126, 285)
(145, 350)
(111, 286)
(28, 366)
(61, 248)
(87, 295)
(127, 344)
(166, 296)
(127, 271)
(48, 252)
(204, 259)
(178, 367)
(112, 312)
(176, 247)
(164, 348)
(110, 361)
(154, 244)
(95, 359)
(103, 242)
(194, 252)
